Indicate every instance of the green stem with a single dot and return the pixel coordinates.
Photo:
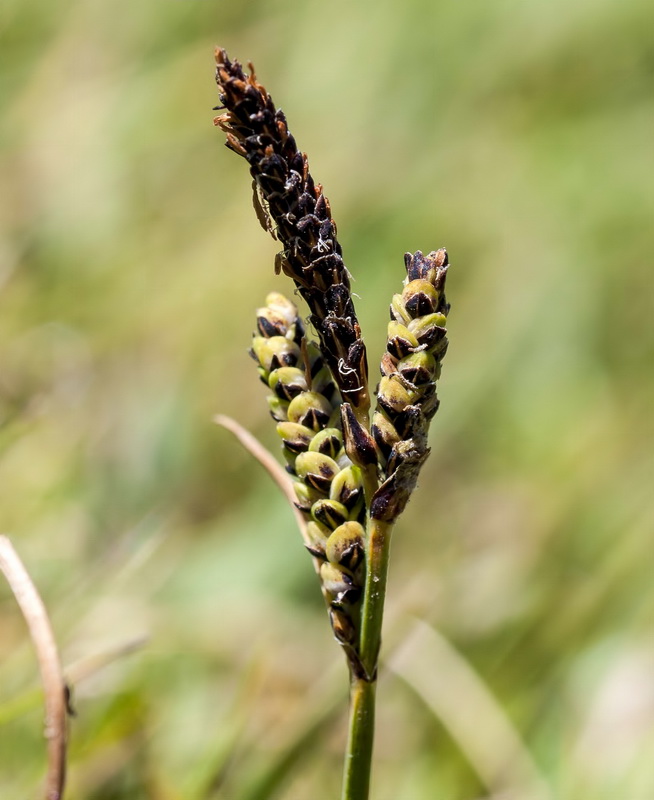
(378, 550)
(358, 758)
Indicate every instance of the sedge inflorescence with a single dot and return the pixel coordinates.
(348, 472)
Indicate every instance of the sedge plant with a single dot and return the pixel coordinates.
(352, 474)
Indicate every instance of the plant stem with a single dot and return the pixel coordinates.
(358, 757)
(54, 686)
(378, 549)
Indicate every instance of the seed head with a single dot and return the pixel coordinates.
(327, 485)
(406, 396)
(319, 392)
(287, 197)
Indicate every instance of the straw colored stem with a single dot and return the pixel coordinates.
(268, 462)
(54, 686)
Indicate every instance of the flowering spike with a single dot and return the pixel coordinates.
(328, 487)
(287, 196)
(406, 398)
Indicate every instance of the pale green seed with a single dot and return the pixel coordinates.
(401, 341)
(347, 486)
(287, 382)
(419, 298)
(393, 395)
(316, 469)
(295, 437)
(398, 311)
(418, 368)
(328, 441)
(338, 584)
(345, 546)
(329, 513)
(307, 496)
(428, 330)
(310, 409)
(277, 351)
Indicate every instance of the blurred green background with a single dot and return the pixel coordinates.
(519, 135)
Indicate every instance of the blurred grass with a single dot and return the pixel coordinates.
(520, 136)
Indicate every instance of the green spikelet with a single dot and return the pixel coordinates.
(328, 486)
(406, 397)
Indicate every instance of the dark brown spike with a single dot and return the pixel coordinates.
(258, 131)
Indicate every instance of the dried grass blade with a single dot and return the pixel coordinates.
(54, 686)
(268, 462)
